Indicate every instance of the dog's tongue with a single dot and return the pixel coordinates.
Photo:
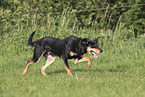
(95, 55)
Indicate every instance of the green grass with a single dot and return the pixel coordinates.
(118, 72)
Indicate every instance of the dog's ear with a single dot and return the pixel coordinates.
(85, 41)
(97, 39)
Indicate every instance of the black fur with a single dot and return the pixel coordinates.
(62, 47)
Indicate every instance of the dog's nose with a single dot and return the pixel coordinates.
(101, 51)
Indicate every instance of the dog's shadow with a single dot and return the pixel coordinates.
(62, 71)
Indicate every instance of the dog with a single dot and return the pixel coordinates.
(69, 48)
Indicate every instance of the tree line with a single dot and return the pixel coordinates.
(30, 12)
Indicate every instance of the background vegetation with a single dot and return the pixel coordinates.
(118, 72)
(30, 12)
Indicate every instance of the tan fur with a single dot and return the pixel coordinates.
(84, 59)
(50, 60)
(31, 62)
(26, 69)
(72, 53)
(92, 49)
(68, 71)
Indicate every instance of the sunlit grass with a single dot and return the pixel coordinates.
(119, 70)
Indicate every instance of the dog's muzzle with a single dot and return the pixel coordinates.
(94, 51)
(101, 51)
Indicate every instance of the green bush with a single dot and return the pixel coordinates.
(26, 13)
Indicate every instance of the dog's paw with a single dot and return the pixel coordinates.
(89, 65)
(24, 72)
(76, 61)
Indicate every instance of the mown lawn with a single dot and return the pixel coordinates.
(118, 72)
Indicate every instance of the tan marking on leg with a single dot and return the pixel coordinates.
(84, 59)
(76, 61)
(31, 62)
(25, 70)
(50, 60)
(68, 71)
(40, 57)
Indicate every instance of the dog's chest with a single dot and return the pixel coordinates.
(72, 53)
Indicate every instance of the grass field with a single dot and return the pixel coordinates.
(118, 72)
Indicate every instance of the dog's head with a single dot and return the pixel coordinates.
(92, 47)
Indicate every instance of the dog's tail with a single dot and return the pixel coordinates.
(30, 39)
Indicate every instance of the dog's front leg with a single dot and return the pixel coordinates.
(65, 60)
(84, 59)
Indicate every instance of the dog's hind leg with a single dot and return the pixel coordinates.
(31, 62)
(84, 59)
(50, 60)
(38, 53)
(28, 63)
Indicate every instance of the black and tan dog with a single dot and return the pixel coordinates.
(69, 48)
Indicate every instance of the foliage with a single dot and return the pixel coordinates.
(35, 12)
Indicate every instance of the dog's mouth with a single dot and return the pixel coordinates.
(94, 54)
